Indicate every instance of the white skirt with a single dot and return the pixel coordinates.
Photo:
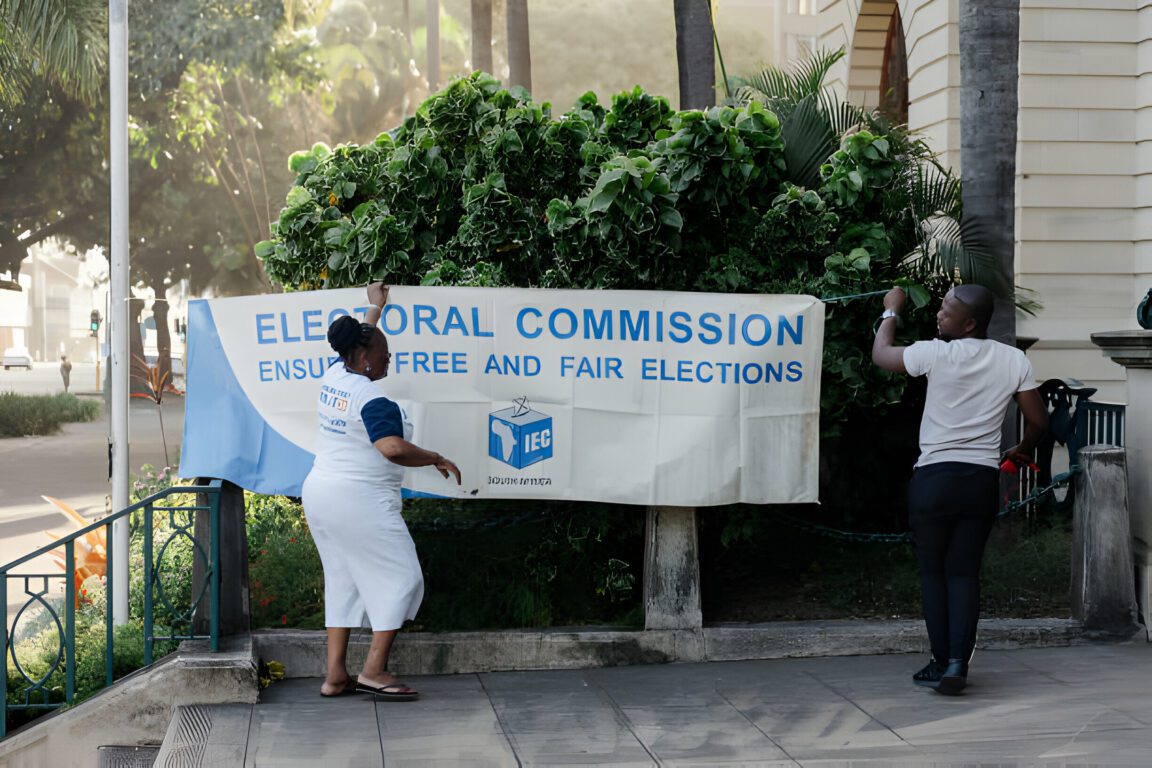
(371, 574)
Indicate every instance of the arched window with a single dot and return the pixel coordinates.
(878, 62)
(894, 74)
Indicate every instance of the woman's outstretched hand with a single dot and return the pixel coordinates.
(446, 467)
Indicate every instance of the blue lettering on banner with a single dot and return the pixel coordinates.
(591, 367)
(309, 324)
(295, 369)
(512, 365)
(710, 328)
(312, 321)
(706, 371)
(520, 322)
(286, 336)
(748, 324)
(679, 322)
(643, 325)
(601, 328)
(429, 362)
(263, 327)
(634, 331)
(393, 309)
(423, 314)
(571, 318)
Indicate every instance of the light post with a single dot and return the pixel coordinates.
(118, 314)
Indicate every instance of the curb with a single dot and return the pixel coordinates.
(431, 653)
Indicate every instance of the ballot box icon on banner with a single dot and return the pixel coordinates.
(519, 436)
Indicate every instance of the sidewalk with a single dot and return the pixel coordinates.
(1087, 705)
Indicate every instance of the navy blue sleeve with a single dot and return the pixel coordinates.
(382, 419)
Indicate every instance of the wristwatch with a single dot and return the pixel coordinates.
(884, 316)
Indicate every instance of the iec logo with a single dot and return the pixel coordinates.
(519, 436)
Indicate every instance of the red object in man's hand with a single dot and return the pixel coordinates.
(1010, 467)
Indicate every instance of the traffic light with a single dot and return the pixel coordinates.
(94, 323)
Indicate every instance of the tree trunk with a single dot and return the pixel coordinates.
(432, 24)
(163, 338)
(519, 45)
(137, 367)
(11, 254)
(695, 54)
(482, 35)
(989, 77)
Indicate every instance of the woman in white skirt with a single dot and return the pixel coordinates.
(352, 502)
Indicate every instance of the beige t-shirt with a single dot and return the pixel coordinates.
(970, 384)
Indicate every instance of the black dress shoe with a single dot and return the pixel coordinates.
(954, 678)
(930, 675)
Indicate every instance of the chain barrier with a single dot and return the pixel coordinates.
(1060, 480)
(444, 524)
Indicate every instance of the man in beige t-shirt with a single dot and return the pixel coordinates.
(953, 497)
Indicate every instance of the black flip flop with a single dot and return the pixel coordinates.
(389, 692)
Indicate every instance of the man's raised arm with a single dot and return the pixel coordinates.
(885, 353)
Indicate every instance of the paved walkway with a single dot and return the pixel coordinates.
(1080, 706)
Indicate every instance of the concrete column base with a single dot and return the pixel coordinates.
(1103, 594)
(671, 569)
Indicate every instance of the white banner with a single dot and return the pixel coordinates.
(686, 399)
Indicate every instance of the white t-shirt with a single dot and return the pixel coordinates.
(970, 383)
(353, 414)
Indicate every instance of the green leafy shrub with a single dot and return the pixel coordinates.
(482, 186)
(22, 415)
(285, 577)
(486, 564)
(757, 569)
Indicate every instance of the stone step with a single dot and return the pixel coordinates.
(206, 736)
(136, 710)
(303, 652)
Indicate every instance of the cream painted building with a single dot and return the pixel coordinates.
(1084, 151)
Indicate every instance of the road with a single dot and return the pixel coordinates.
(72, 465)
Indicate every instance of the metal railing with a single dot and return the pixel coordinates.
(1075, 421)
(38, 589)
(1100, 424)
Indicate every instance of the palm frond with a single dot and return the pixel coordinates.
(802, 78)
(967, 247)
(809, 139)
(66, 39)
(15, 74)
(842, 116)
(933, 193)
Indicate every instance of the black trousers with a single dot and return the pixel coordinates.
(951, 508)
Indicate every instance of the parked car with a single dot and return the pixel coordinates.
(17, 357)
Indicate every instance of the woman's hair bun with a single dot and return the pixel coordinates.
(344, 335)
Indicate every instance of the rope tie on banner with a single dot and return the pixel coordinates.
(1060, 480)
(834, 299)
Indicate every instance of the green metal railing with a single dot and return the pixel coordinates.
(37, 587)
